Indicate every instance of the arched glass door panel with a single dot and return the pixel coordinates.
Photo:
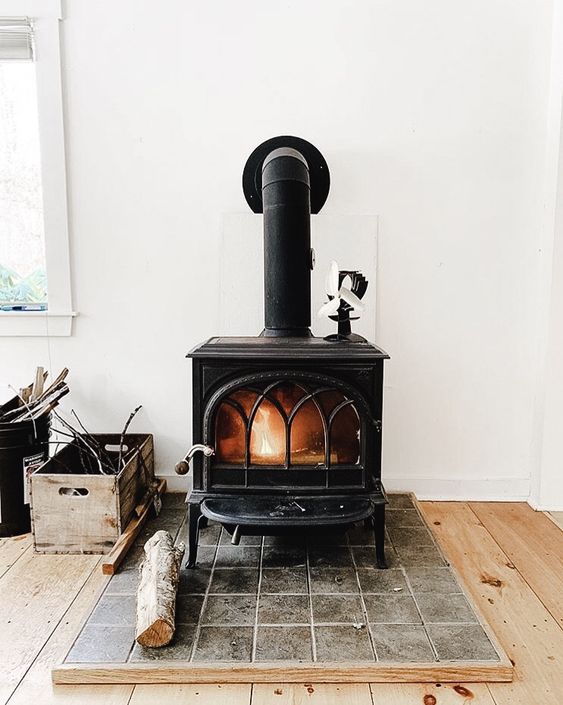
(230, 435)
(345, 436)
(307, 436)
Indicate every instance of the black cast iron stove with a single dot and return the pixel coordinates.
(289, 425)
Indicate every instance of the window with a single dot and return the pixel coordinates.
(34, 262)
(23, 275)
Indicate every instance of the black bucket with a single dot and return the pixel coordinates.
(23, 448)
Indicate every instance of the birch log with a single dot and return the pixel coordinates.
(156, 596)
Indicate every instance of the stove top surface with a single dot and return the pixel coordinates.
(255, 346)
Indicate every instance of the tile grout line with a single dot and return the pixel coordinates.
(255, 630)
(434, 541)
(204, 603)
(408, 582)
(364, 608)
(409, 586)
(310, 592)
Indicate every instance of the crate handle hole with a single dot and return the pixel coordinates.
(114, 448)
(74, 491)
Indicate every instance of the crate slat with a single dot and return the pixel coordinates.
(74, 512)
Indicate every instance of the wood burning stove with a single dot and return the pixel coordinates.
(289, 425)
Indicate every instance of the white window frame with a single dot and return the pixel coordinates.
(57, 320)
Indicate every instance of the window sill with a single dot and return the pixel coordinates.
(32, 323)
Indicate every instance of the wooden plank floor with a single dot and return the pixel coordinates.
(510, 558)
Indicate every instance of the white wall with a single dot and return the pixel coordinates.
(431, 115)
(547, 445)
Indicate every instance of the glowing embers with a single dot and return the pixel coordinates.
(286, 424)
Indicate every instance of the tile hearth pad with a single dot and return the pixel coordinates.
(311, 598)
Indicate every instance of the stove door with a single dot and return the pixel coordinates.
(287, 430)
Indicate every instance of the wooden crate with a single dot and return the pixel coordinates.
(73, 512)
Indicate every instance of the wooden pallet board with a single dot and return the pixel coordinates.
(169, 672)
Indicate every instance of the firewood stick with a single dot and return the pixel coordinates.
(37, 390)
(156, 596)
(25, 393)
(34, 409)
(56, 382)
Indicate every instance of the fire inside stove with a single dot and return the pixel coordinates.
(286, 425)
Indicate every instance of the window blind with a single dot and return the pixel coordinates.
(16, 39)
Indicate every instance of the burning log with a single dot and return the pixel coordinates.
(156, 596)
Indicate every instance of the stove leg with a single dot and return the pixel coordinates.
(379, 530)
(203, 522)
(194, 522)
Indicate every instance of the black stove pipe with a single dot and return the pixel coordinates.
(286, 201)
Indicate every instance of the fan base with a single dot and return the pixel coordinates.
(340, 338)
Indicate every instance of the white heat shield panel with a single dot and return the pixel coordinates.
(351, 240)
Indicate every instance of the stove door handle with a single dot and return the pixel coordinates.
(183, 467)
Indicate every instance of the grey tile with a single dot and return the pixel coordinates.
(401, 642)
(461, 643)
(327, 537)
(283, 644)
(329, 580)
(194, 581)
(180, 647)
(133, 559)
(337, 608)
(188, 608)
(283, 557)
(410, 536)
(403, 517)
(364, 556)
(229, 610)
(284, 609)
(99, 644)
(174, 500)
(244, 540)
(168, 520)
(289, 539)
(224, 644)
(114, 610)
(231, 556)
(205, 557)
(434, 580)
(382, 581)
(359, 535)
(391, 609)
(330, 556)
(400, 501)
(284, 580)
(421, 556)
(209, 536)
(148, 533)
(125, 582)
(444, 608)
(343, 643)
(242, 580)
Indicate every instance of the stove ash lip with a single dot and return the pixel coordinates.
(284, 186)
